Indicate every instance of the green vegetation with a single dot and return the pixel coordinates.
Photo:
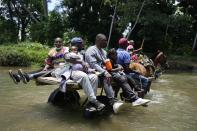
(23, 54)
(161, 23)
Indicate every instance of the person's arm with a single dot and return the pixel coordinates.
(126, 68)
(48, 63)
(46, 68)
(73, 58)
(92, 61)
(76, 59)
(125, 61)
(137, 50)
(117, 68)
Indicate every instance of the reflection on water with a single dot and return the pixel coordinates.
(173, 107)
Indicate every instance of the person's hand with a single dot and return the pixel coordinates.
(85, 66)
(45, 69)
(108, 77)
(120, 68)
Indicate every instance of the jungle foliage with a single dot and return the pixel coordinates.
(163, 24)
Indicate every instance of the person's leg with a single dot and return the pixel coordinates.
(135, 86)
(142, 79)
(15, 77)
(26, 77)
(84, 81)
(136, 101)
(108, 89)
(121, 80)
(145, 82)
(110, 94)
(133, 83)
(57, 72)
(94, 82)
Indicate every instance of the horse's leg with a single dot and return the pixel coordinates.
(150, 71)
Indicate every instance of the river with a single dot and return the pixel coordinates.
(23, 107)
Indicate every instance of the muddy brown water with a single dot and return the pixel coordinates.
(173, 108)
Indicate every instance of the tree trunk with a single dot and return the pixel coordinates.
(23, 32)
(45, 8)
(30, 14)
(194, 44)
(10, 10)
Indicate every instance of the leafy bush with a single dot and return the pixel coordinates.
(9, 57)
(23, 54)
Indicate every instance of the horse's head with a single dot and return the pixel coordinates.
(160, 60)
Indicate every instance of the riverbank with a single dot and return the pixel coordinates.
(28, 54)
(182, 63)
(23, 54)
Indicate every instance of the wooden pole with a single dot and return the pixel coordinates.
(142, 43)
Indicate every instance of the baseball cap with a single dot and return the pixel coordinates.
(123, 42)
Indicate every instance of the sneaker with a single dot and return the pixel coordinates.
(140, 102)
(116, 106)
(98, 105)
(20, 72)
(91, 109)
(14, 77)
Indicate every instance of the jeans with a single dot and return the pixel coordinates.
(143, 80)
(54, 73)
(108, 89)
(122, 81)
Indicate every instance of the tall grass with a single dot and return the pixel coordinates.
(23, 54)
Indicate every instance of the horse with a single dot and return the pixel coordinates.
(160, 63)
(146, 65)
(154, 65)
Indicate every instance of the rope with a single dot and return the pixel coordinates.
(112, 22)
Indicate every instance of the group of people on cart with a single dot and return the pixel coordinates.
(122, 67)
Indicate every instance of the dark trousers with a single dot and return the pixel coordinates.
(37, 73)
(121, 81)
